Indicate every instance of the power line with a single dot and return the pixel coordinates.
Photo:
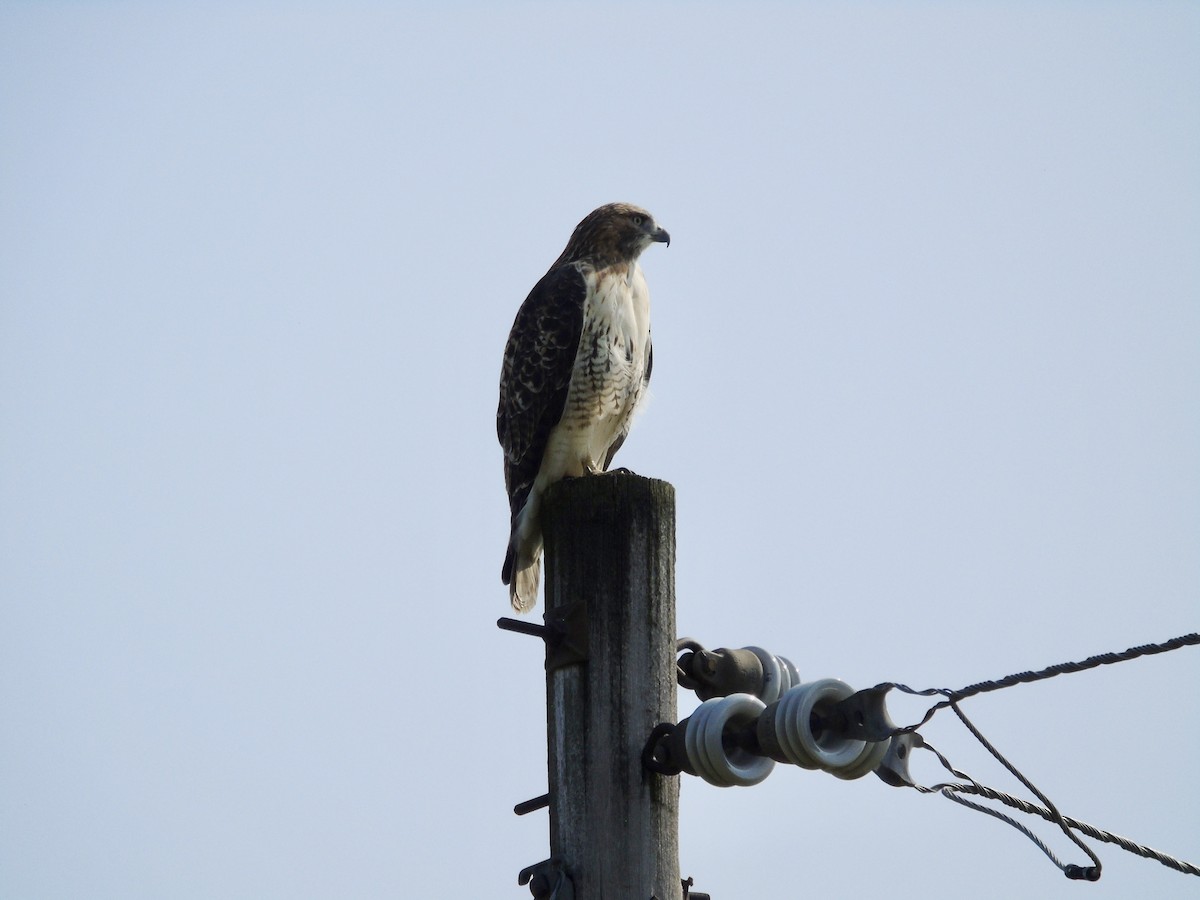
(1065, 668)
(1091, 831)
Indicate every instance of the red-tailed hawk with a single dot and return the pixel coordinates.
(577, 362)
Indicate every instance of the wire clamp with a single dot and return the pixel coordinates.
(863, 715)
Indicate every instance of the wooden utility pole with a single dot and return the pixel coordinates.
(610, 576)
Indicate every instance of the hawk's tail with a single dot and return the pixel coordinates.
(523, 589)
(522, 583)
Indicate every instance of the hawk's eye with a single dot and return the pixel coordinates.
(637, 220)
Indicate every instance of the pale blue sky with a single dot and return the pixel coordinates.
(927, 360)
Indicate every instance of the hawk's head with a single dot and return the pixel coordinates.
(614, 233)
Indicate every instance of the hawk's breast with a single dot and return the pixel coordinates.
(609, 376)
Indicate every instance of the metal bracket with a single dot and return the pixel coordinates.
(548, 880)
(567, 640)
(565, 633)
(664, 752)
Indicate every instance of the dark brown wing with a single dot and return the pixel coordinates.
(538, 361)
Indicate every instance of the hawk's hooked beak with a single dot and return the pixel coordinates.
(660, 236)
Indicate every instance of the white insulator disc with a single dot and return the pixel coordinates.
(693, 743)
(787, 728)
(791, 677)
(825, 750)
(735, 766)
(868, 761)
(772, 675)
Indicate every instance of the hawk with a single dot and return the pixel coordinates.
(576, 365)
